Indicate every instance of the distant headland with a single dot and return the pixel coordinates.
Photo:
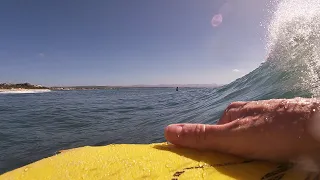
(21, 86)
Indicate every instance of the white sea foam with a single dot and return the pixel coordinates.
(25, 91)
(294, 41)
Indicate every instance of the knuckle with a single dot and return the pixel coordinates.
(236, 104)
(230, 106)
(200, 133)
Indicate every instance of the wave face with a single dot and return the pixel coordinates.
(293, 47)
(294, 43)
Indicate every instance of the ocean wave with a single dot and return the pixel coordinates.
(294, 43)
(293, 65)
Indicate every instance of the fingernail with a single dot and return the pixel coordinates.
(174, 129)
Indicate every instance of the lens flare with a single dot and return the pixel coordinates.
(216, 20)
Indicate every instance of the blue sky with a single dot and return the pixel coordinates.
(125, 42)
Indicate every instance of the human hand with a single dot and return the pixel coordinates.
(277, 130)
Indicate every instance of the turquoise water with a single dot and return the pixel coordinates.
(34, 126)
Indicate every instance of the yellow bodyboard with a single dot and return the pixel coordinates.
(150, 161)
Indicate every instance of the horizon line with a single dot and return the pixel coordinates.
(147, 85)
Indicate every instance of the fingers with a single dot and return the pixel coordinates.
(269, 130)
(239, 110)
(232, 112)
(198, 136)
(232, 138)
(202, 136)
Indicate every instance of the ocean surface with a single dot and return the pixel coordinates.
(34, 126)
(37, 125)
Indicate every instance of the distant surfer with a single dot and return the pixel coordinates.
(279, 130)
(177, 89)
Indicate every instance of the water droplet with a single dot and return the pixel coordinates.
(178, 135)
(313, 110)
(26, 169)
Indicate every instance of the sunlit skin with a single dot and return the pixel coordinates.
(278, 130)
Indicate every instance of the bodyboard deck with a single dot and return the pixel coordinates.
(150, 161)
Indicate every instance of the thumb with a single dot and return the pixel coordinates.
(199, 136)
